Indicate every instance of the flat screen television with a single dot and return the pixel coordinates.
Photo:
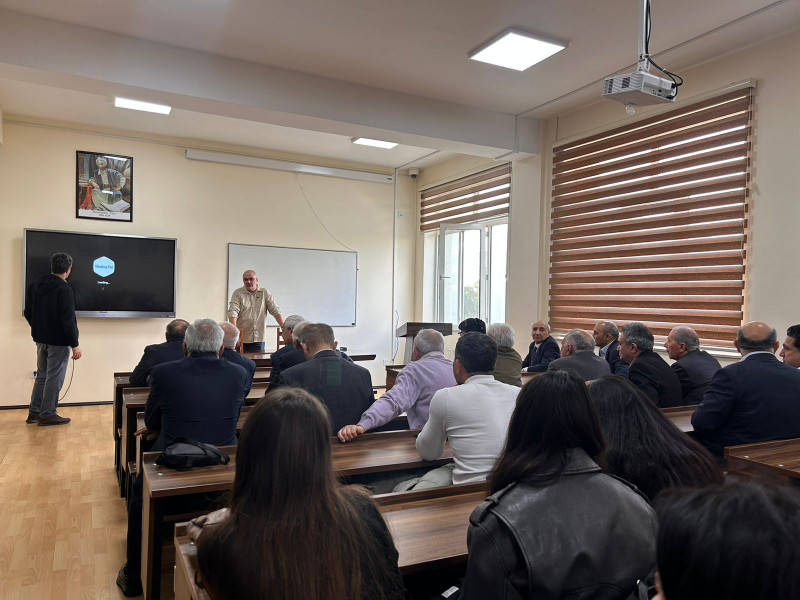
(112, 275)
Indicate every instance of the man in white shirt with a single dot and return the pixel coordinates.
(474, 415)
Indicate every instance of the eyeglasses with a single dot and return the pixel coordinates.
(249, 279)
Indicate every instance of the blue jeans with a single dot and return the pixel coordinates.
(253, 347)
(51, 367)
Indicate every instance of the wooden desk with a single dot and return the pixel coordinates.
(392, 371)
(771, 462)
(171, 496)
(429, 529)
(681, 416)
(262, 359)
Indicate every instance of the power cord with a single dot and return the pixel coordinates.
(69, 385)
(675, 82)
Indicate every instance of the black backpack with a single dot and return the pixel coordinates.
(183, 453)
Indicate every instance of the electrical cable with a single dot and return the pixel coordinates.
(69, 385)
(299, 183)
(648, 28)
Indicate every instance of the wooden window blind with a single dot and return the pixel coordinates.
(472, 199)
(649, 222)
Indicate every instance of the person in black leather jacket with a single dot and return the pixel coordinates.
(555, 526)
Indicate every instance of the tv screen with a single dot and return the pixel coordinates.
(112, 275)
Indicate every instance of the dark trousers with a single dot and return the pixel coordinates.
(134, 546)
(51, 367)
(253, 346)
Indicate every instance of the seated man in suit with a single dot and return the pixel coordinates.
(694, 367)
(606, 337)
(473, 416)
(428, 372)
(291, 357)
(286, 332)
(344, 387)
(231, 337)
(790, 352)
(754, 400)
(198, 397)
(156, 354)
(577, 356)
(648, 371)
(508, 366)
(543, 349)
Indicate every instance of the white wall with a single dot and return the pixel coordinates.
(205, 206)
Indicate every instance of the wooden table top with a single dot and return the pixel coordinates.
(262, 359)
(779, 457)
(371, 453)
(137, 396)
(681, 416)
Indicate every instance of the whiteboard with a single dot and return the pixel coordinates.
(320, 285)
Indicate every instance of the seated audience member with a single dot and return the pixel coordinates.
(417, 382)
(470, 325)
(648, 371)
(694, 367)
(292, 357)
(737, 541)
(231, 337)
(291, 529)
(543, 349)
(198, 397)
(555, 526)
(473, 415)
(606, 337)
(344, 387)
(509, 363)
(578, 357)
(754, 400)
(289, 324)
(790, 352)
(156, 354)
(643, 446)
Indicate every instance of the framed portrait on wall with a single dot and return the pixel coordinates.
(104, 186)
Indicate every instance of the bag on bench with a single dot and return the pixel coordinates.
(183, 453)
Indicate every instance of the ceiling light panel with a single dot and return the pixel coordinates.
(515, 49)
(161, 109)
(374, 143)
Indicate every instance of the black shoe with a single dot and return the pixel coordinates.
(130, 585)
(32, 417)
(54, 420)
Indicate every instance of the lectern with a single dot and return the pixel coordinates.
(410, 330)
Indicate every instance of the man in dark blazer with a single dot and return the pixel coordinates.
(288, 356)
(577, 357)
(606, 337)
(155, 354)
(754, 400)
(231, 337)
(543, 349)
(344, 387)
(289, 325)
(649, 372)
(694, 367)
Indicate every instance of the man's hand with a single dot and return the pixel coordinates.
(146, 433)
(76, 353)
(350, 432)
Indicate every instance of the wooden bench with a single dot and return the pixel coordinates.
(168, 493)
(262, 359)
(429, 529)
(776, 462)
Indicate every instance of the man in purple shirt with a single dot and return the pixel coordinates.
(416, 384)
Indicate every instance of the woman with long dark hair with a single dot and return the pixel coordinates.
(643, 446)
(292, 531)
(555, 526)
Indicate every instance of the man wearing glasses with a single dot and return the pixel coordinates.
(248, 311)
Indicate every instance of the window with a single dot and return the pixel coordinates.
(649, 222)
(469, 219)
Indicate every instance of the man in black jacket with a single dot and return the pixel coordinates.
(649, 372)
(289, 324)
(543, 350)
(50, 311)
(155, 354)
(694, 367)
(230, 354)
(344, 387)
(606, 337)
(286, 359)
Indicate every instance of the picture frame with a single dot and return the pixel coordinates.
(103, 191)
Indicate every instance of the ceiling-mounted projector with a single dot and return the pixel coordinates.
(641, 87)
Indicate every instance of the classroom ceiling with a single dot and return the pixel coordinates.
(415, 50)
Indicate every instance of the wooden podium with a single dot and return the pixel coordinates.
(410, 330)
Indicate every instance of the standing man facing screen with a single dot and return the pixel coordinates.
(248, 311)
(50, 311)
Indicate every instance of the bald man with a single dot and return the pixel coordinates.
(578, 357)
(248, 310)
(543, 349)
(754, 400)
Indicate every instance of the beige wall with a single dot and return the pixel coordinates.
(773, 272)
(205, 206)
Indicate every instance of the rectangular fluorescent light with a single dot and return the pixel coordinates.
(161, 109)
(515, 49)
(375, 143)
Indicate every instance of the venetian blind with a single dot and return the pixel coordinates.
(649, 222)
(478, 197)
